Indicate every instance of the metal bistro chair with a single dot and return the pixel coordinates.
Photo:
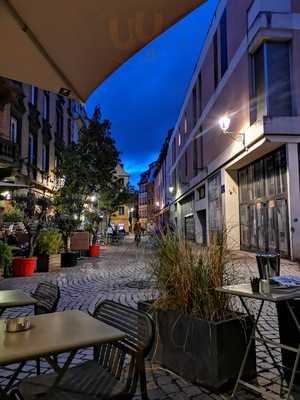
(116, 370)
(47, 294)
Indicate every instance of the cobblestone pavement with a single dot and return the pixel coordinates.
(121, 274)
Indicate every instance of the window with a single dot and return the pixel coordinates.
(224, 48)
(14, 130)
(195, 105)
(174, 151)
(121, 182)
(200, 94)
(45, 158)
(69, 131)
(46, 106)
(179, 139)
(186, 166)
(271, 81)
(195, 158)
(216, 59)
(32, 148)
(185, 123)
(201, 192)
(59, 121)
(33, 95)
(122, 210)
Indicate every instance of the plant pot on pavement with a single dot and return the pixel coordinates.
(24, 266)
(94, 250)
(205, 352)
(69, 259)
(48, 263)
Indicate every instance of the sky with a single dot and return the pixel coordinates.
(143, 98)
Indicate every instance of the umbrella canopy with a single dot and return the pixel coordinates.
(76, 45)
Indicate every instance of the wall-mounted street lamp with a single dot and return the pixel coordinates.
(224, 123)
(171, 189)
(157, 204)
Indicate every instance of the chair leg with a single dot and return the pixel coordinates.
(143, 383)
(38, 366)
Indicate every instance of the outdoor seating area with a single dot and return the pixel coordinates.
(121, 338)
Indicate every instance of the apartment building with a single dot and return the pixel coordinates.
(33, 128)
(121, 218)
(146, 196)
(245, 173)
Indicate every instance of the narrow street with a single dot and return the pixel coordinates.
(122, 274)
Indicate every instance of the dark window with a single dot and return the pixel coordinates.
(46, 106)
(271, 81)
(14, 130)
(195, 158)
(69, 131)
(224, 49)
(201, 192)
(195, 105)
(45, 157)
(59, 121)
(216, 60)
(32, 150)
(279, 79)
(185, 164)
(174, 150)
(122, 210)
(200, 94)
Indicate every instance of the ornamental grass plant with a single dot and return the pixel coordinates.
(186, 276)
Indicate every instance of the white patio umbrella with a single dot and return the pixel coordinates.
(76, 44)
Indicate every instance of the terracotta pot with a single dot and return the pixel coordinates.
(95, 250)
(24, 266)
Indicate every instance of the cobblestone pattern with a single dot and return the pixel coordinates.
(121, 274)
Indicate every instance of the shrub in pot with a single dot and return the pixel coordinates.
(5, 259)
(93, 221)
(48, 247)
(34, 211)
(200, 337)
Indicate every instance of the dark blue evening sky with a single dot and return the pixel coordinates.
(144, 96)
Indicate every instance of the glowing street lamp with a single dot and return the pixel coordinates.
(171, 189)
(224, 123)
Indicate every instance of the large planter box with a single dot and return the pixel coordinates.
(48, 263)
(203, 352)
(69, 259)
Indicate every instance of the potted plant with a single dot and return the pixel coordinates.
(93, 220)
(200, 337)
(5, 259)
(48, 247)
(34, 209)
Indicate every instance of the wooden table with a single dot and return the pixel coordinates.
(245, 291)
(14, 298)
(52, 334)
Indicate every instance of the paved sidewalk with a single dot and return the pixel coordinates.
(121, 274)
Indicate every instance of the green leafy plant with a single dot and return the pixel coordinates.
(5, 258)
(13, 215)
(49, 242)
(187, 277)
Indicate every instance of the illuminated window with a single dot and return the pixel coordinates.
(13, 130)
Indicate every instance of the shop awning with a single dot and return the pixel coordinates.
(77, 44)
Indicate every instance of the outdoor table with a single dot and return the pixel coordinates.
(245, 291)
(50, 335)
(14, 298)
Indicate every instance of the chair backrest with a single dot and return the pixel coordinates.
(47, 294)
(125, 359)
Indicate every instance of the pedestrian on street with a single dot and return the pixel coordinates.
(137, 232)
(109, 233)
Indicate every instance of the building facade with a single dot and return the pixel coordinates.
(146, 196)
(246, 176)
(122, 217)
(33, 128)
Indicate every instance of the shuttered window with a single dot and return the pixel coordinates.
(224, 47)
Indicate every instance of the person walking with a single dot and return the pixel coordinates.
(137, 232)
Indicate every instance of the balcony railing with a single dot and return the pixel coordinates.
(8, 150)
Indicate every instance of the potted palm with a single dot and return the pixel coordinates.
(93, 221)
(200, 336)
(34, 210)
(48, 247)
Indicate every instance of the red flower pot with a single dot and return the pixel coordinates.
(24, 266)
(95, 250)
